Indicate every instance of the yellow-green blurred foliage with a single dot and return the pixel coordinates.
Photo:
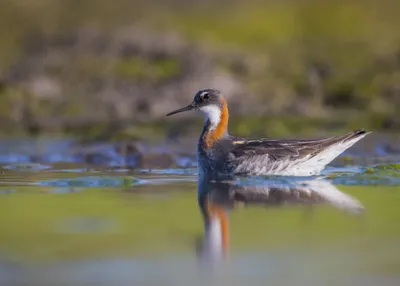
(336, 54)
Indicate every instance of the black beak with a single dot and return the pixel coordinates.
(187, 108)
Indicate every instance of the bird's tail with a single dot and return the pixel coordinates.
(354, 135)
(332, 148)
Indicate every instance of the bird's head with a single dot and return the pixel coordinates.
(209, 102)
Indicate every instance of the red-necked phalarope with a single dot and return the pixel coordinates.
(222, 154)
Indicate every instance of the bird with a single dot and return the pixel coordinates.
(220, 154)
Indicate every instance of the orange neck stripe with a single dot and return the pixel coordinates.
(218, 132)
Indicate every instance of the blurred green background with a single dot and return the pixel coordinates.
(77, 67)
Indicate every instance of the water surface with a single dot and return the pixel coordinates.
(68, 220)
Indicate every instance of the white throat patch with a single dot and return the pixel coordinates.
(212, 113)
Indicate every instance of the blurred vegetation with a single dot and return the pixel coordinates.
(308, 57)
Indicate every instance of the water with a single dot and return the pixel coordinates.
(72, 215)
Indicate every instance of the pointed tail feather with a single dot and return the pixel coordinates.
(332, 149)
(359, 133)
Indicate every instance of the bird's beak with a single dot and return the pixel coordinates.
(187, 108)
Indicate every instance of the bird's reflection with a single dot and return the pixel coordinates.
(216, 199)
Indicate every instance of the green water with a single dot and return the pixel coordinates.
(70, 223)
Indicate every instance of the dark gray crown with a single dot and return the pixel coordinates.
(207, 96)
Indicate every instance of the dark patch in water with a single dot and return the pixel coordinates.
(27, 167)
(6, 191)
(171, 171)
(92, 181)
(64, 190)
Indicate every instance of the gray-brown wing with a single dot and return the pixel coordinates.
(292, 148)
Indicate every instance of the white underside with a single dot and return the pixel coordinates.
(307, 166)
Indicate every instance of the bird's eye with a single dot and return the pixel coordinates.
(206, 96)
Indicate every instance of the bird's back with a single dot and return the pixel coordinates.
(240, 156)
